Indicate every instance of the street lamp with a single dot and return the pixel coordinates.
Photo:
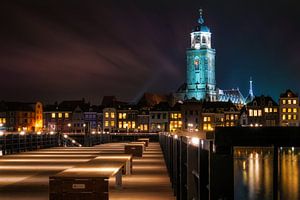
(69, 125)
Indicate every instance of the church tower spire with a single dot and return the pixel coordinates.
(200, 20)
(201, 82)
(250, 87)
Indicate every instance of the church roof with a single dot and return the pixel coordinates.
(218, 107)
(262, 101)
(234, 95)
(288, 94)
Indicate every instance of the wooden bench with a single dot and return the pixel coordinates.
(142, 143)
(146, 140)
(86, 181)
(135, 149)
(126, 158)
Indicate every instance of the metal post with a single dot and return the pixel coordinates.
(275, 172)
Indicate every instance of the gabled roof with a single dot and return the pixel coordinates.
(218, 107)
(288, 94)
(261, 101)
(234, 95)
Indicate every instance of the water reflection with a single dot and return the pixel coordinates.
(253, 174)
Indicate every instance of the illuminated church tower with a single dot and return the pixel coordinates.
(201, 82)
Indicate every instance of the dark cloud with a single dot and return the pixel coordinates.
(55, 50)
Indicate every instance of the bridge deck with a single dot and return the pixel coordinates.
(26, 175)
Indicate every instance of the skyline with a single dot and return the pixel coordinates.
(55, 51)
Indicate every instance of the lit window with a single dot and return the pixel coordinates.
(289, 101)
(294, 117)
(59, 115)
(53, 115)
(106, 123)
(175, 116)
(271, 110)
(145, 127)
(133, 124)
(112, 123)
(289, 110)
(66, 115)
(222, 119)
(205, 119)
(250, 113)
(112, 115)
(236, 117)
(283, 110)
(209, 127)
(205, 127)
(231, 123)
(259, 113)
(294, 110)
(124, 115)
(283, 101)
(266, 110)
(4, 120)
(120, 124)
(255, 113)
(294, 101)
(289, 117)
(179, 124)
(208, 119)
(283, 117)
(227, 124)
(120, 116)
(106, 115)
(227, 117)
(231, 117)
(275, 110)
(179, 115)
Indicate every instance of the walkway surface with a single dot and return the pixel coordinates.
(25, 176)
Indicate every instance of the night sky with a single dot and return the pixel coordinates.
(53, 50)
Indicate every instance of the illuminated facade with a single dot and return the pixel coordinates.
(19, 116)
(289, 109)
(109, 119)
(219, 114)
(261, 111)
(200, 73)
(127, 120)
(200, 77)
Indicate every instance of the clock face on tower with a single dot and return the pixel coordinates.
(196, 63)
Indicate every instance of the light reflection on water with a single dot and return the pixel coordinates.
(253, 174)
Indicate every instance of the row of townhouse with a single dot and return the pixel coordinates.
(113, 116)
(21, 116)
(128, 118)
(73, 116)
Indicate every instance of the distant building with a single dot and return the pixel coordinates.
(289, 109)
(20, 116)
(219, 114)
(159, 117)
(175, 118)
(143, 121)
(109, 119)
(191, 112)
(127, 119)
(68, 116)
(261, 111)
(200, 71)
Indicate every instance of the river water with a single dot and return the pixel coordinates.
(253, 174)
